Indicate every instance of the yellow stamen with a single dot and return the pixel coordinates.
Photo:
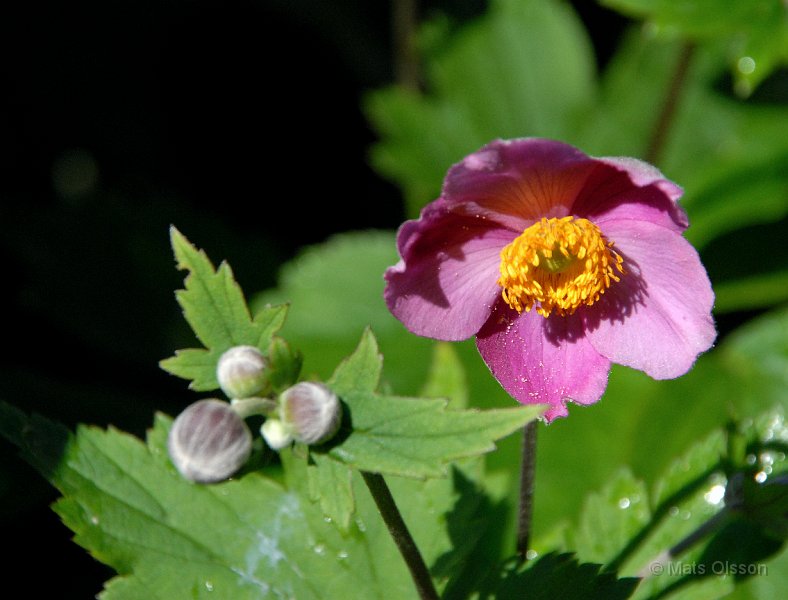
(558, 265)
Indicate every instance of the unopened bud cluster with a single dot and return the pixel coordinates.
(210, 441)
(309, 413)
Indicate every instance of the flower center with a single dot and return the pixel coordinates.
(561, 264)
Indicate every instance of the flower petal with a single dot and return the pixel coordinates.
(446, 283)
(542, 361)
(518, 182)
(627, 188)
(658, 317)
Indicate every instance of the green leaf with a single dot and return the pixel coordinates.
(170, 539)
(610, 518)
(336, 290)
(561, 576)
(414, 437)
(523, 69)
(748, 293)
(214, 306)
(284, 364)
(655, 421)
(360, 372)
(446, 378)
(697, 466)
(755, 32)
(331, 483)
(688, 496)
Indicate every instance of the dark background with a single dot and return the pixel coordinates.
(237, 121)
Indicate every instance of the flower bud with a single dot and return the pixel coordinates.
(311, 412)
(242, 372)
(209, 442)
(275, 434)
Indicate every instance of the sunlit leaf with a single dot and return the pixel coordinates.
(214, 306)
(415, 437)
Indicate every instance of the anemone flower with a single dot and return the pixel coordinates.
(560, 264)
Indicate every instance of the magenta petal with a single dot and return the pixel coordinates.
(626, 188)
(542, 361)
(658, 317)
(518, 182)
(446, 283)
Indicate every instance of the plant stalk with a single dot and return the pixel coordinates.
(248, 407)
(406, 61)
(527, 476)
(667, 113)
(402, 537)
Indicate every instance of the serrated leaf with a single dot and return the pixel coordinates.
(330, 480)
(215, 308)
(689, 496)
(360, 372)
(610, 518)
(170, 539)
(414, 437)
(693, 468)
(331, 483)
(326, 326)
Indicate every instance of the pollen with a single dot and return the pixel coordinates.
(558, 265)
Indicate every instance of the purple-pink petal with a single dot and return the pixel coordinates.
(518, 182)
(658, 317)
(626, 188)
(542, 361)
(446, 283)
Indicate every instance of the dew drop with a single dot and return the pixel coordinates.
(531, 554)
(751, 458)
(624, 503)
(319, 549)
(746, 65)
(94, 519)
(328, 519)
(342, 554)
(209, 586)
(674, 511)
(761, 476)
(715, 494)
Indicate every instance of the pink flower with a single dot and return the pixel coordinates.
(560, 264)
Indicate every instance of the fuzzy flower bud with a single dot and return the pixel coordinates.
(209, 442)
(276, 434)
(311, 412)
(242, 372)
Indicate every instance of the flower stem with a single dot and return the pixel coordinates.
(402, 538)
(248, 407)
(406, 60)
(527, 473)
(666, 115)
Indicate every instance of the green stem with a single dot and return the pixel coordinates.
(668, 112)
(248, 407)
(527, 476)
(402, 538)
